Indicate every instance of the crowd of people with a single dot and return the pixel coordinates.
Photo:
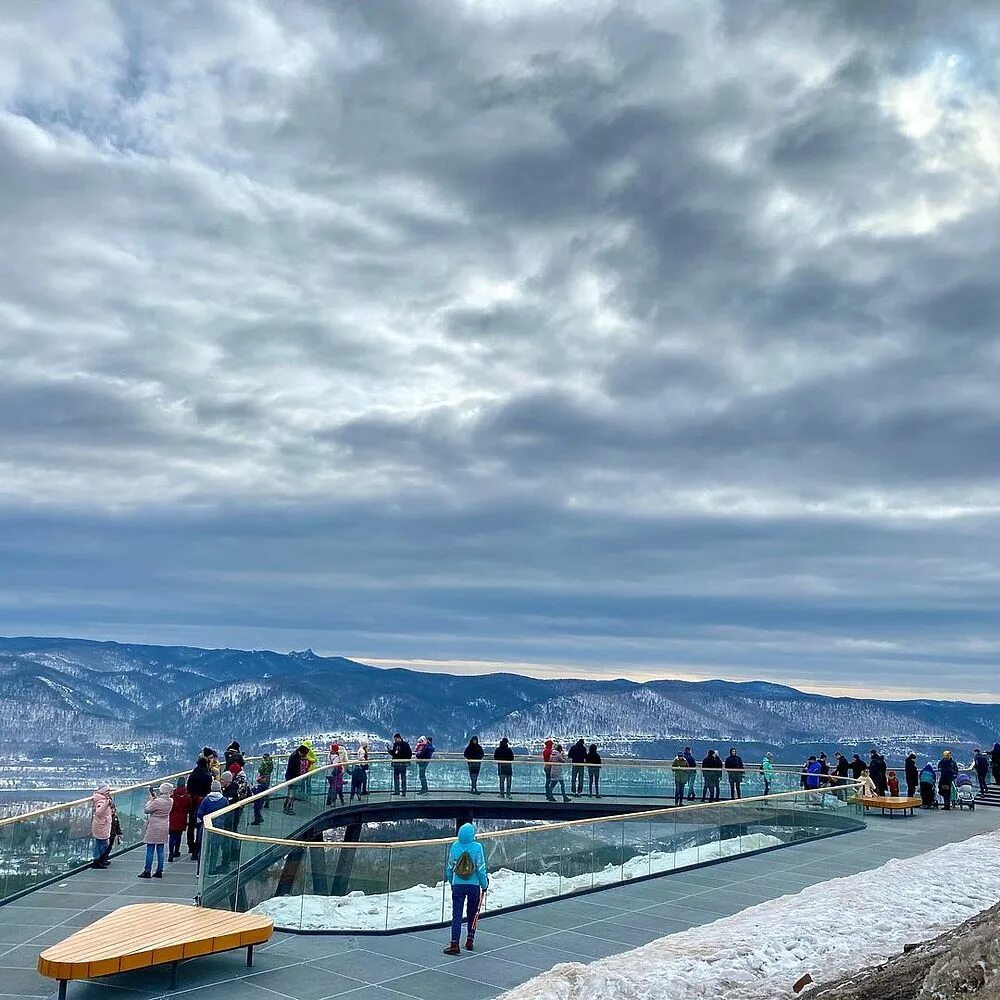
(176, 811)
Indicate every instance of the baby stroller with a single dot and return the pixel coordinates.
(963, 794)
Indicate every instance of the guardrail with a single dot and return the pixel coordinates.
(309, 884)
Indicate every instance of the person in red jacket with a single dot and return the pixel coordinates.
(180, 810)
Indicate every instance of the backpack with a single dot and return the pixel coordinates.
(465, 867)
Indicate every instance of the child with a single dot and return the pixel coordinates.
(893, 785)
(180, 809)
(928, 797)
(866, 787)
(100, 826)
(157, 808)
(338, 757)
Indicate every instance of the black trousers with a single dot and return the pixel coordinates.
(576, 779)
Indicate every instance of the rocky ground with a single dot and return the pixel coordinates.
(961, 963)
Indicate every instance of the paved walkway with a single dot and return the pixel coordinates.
(510, 948)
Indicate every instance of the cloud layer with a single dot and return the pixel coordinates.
(651, 337)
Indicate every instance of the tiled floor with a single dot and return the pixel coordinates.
(509, 949)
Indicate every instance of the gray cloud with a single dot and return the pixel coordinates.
(604, 333)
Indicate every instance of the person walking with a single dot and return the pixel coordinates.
(711, 776)
(692, 773)
(423, 750)
(767, 770)
(504, 757)
(734, 771)
(180, 810)
(679, 768)
(335, 778)
(593, 772)
(995, 763)
(101, 807)
(401, 755)
(578, 757)
(911, 775)
(981, 765)
(466, 873)
(556, 763)
(265, 771)
(157, 810)
(947, 773)
(199, 784)
(474, 758)
(927, 781)
(298, 765)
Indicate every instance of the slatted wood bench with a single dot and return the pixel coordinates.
(890, 804)
(148, 934)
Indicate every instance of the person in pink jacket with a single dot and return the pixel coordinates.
(100, 825)
(157, 809)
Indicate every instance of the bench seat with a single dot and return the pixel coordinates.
(890, 803)
(148, 934)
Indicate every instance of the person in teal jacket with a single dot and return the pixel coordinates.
(466, 873)
(767, 766)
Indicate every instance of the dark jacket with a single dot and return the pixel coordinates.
(689, 757)
(504, 757)
(233, 755)
(577, 753)
(400, 751)
(199, 782)
(843, 768)
(857, 766)
(982, 765)
(180, 809)
(876, 768)
(593, 757)
(713, 762)
(425, 750)
(947, 770)
(995, 757)
(294, 766)
(734, 765)
(474, 751)
(911, 772)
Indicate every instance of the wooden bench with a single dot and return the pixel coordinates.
(890, 804)
(148, 934)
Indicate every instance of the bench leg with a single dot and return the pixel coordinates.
(250, 956)
(173, 975)
(62, 989)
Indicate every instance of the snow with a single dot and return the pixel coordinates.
(829, 930)
(422, 904)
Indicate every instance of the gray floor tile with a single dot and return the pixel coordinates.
(238, 989)
(513, 927)
(305, 982)
(25, 983)
(493, 971)
(433, 984)
(296, 947)
(587, 943)
(367, 966)
(624, 934)
(535, 954)
(372, 993)
(421, 951)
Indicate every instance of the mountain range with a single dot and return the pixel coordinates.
(75, 696)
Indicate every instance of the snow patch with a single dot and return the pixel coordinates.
(830, 929)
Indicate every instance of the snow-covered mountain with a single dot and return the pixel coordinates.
(76, 693)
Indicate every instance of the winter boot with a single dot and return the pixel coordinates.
(469, 944)
(453, 949)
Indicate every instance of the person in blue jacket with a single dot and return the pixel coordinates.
(466, 873)
(947, 773)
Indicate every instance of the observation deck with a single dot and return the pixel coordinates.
(658, 869)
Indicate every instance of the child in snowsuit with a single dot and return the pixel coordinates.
(893, 784)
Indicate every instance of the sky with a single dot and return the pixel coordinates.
(584, 338)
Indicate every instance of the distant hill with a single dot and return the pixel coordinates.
(75, 694)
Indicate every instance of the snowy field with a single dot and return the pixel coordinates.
(828, 930)
(423, 904)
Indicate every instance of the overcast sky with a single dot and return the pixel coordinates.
(590, 338)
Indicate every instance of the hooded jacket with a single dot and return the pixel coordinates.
(578, 752)
(927, 774)
(199, 782)
(211, 803)
(180, 808)
(100, 824)
(594, 758)
(504, 756)
(768, 768)
(556, 762)
(233, 755)
(157, 809)
(680, 768)
(473, 752)
(910, 771)
(712, 763)
(467, 843)
(857, 766)
(424, 749)
(547, 751)
(734, 765)
(813, 770)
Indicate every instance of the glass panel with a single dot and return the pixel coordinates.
(635, 849)
(608, 852)
(415, 888)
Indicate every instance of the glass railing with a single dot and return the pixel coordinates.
(285, 868)
(41, 846)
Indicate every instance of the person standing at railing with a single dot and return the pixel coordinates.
(858, 767)
(947, 773)
(298, 765)
(212, 802)
(466, 873)
(767, 770)
(734, 771)
(100, 826)
(711, 776)
(363, 767)
(401, 755)
(679, 767)
(504, 757)
(578, 756)
(199, 784)
(594, 771)
(157, 810)
(692, 773)
(911, 774)
(547, 752)
(335, 779)
(423, 751)
(556, 762)
(473, 754)
(265, 770)
(878, 771)
(180, 810)
(233, 755)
